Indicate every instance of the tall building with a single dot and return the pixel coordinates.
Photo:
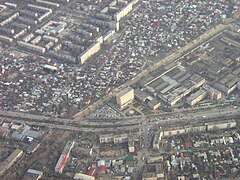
(125, 97)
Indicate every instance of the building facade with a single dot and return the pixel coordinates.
(125, 97)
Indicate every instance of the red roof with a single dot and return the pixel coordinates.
(188, 144)
(108, 88)
(217, 174)
(102, 168)
(156, 25)
(87, 101)
(91, 172)
(63, 162)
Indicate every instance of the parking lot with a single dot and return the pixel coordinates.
(150, 32)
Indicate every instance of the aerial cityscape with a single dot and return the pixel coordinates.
(119, 89)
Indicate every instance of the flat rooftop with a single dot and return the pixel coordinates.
(126, 90)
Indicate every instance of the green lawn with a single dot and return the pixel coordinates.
(146, 111)
(136, 105)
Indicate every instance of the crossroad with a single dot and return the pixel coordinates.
(161, 62)
(78, 123)
(181, 116)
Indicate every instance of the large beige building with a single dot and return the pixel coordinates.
(196, 97)
(214, 94)
(106, 138)
(131, 147)
(31, 47)
(94, 48)
(125, 97)
(119, 15)
(11, 159)
(110, 138)
(198, 128)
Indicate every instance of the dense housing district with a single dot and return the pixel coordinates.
(125, 36)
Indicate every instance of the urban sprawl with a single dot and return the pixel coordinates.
(119, 89)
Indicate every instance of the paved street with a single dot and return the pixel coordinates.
(171, 58)
(151, 120)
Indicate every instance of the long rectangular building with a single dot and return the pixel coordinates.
(214, 94)
(123, 12)
(198, 128)
(110, 138)
(31, 47)
(93, 49)
(64, 157)
(196, 97)
(81, 176)
(11, 159)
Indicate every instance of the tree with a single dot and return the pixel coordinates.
(238, 123)
(216, 129)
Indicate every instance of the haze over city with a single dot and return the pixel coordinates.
(119, 89)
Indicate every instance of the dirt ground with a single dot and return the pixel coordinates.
(44, 159)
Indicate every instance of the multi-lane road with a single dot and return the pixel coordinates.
(174, 57)
(131, 123)
(183, 116)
